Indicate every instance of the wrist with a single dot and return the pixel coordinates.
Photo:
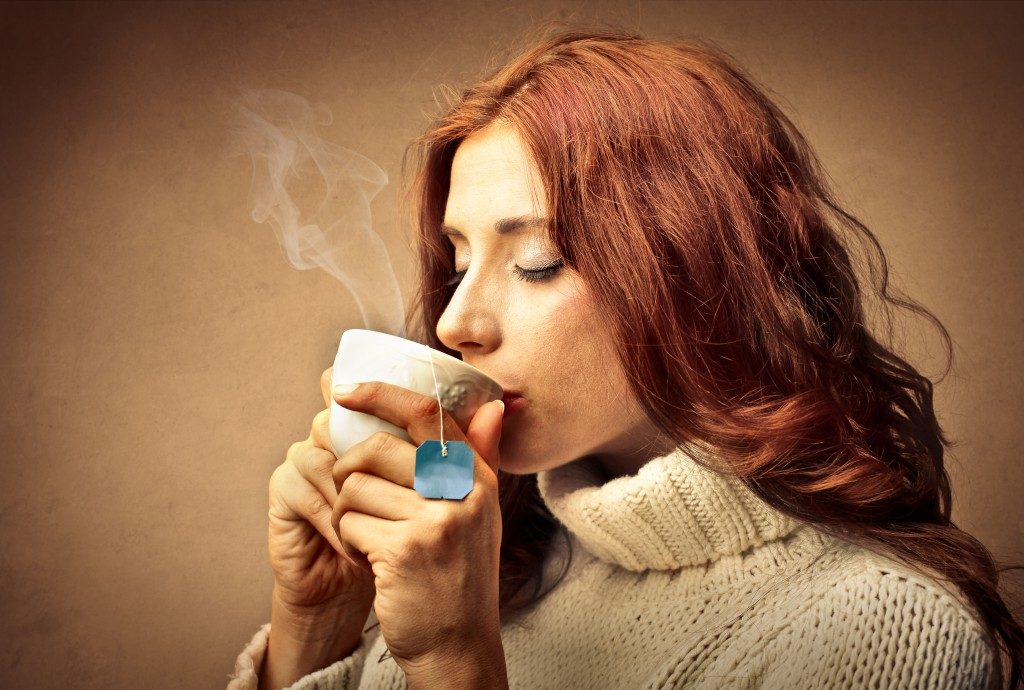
(480, 667)
(318, 623)
(305, 640)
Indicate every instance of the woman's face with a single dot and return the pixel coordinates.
(530, 323)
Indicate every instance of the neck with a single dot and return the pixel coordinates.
(627, 459)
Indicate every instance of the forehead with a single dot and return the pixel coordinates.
(493, 176)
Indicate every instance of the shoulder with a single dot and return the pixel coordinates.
(893, 574)
(880, 620)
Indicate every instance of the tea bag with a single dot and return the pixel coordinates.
(443, 469)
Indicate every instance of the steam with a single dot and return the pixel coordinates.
(277, 130)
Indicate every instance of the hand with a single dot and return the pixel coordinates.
(310, 570)
(435, 562)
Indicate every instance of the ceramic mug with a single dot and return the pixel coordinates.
(365, 355)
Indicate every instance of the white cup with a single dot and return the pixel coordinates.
(365, 355)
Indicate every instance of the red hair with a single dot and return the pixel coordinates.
(736, 309)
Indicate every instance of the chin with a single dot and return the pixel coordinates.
(521, 461)
(509, 465)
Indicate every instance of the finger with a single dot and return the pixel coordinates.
(382, 454)
(325, 384)
(371, 495)
(484, 434)
(320, 431)
(301, 499)
(365, 533)
(316, 466)
(420, 415)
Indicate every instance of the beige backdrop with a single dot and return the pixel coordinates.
(160, 355)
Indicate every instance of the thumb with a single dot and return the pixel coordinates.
(484, 432)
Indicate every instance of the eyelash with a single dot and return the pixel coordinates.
(533, 276)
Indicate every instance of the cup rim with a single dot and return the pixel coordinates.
(421, 351)
(413, 347)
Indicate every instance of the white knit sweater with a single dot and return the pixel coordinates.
(683, 578)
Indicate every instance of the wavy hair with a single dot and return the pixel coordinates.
(737, 311)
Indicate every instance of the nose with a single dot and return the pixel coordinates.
(469, 322)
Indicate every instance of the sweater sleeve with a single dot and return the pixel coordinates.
(880, 630)
(343, 674)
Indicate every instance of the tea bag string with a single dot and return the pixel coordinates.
(386, 654)
(444, 448)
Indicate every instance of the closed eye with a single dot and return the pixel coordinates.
(529, 275)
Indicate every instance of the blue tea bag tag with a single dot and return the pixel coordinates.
(438, 476)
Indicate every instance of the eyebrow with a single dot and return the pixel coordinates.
(505, 225)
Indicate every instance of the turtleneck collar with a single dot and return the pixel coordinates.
(673, 513)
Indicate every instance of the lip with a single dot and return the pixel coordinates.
(514, 402)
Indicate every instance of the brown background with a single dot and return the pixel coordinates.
(160, 354)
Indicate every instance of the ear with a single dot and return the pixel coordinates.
(484, 432)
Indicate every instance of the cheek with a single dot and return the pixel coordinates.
(561, 335)
(589, 357)
(570, 310)
(580, 327)
(570, 348)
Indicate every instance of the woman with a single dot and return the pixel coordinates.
(750, 485)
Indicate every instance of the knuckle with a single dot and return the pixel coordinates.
(406, 552)
(370, 390)
(312, 461)
(355, 483)
(320, 462)
(426, 408)
(293, 450)
(360, 454)
(441, 527)
(380, 442)
(303, 455)
(322, 418)
(282, 482)
(313, 503)
(276, 477)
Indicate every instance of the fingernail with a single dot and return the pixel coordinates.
(345, 388)
(502, 403)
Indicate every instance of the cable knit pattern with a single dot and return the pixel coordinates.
(683, 578)
(669, 515)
